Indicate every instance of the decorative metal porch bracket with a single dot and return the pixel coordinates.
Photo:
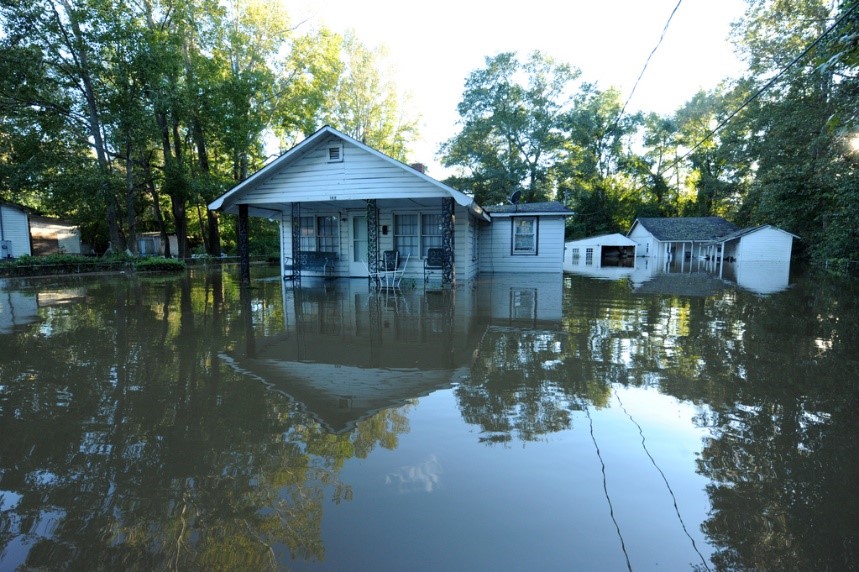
(448, 219)
(296, 242)
(372, 236)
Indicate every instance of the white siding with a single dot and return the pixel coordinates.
(496, 247)
(359, 176)
(16, 229)
(647, 244)
(765, 244)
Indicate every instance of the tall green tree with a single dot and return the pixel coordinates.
(512, 114)
(798, 128)
(366, 104)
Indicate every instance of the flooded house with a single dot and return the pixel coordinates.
(709, 237)
(348, 210)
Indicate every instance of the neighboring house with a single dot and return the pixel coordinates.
(14, 231)
(342, 204)
(708, 237)
(524, 238)
(682, 237)
(52, 236)
(599, 251)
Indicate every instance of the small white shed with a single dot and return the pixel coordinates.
(599, 251)
(14, 231)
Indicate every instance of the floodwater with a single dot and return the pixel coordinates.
(518, 423)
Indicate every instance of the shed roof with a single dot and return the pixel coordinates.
(612, 239)
(750, 230)
(682, 229)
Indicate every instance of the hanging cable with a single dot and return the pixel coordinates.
(646, 62)
(765, 87)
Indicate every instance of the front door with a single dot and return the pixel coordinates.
(358, 247)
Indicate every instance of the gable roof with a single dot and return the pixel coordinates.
(610, 239)
(679, 229)
(231, 198)
(530, 209)
(752, 229)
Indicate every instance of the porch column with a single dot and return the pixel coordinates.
(372, 236)
(296, 241)
(244, 250)
(448, 219)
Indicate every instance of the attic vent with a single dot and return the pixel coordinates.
(335, 153)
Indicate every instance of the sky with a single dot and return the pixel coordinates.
(433, 46)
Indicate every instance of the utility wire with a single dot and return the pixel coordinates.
(646, 62)
(765, 87)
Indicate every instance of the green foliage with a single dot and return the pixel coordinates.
(512, 114)
(160, 264)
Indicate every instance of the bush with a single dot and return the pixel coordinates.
(160, 263)
(78, 264)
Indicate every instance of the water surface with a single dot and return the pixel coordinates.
(550, 423)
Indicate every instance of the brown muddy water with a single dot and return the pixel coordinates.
(614, 422)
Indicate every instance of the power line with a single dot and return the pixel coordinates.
(765, 87)
(646, 62)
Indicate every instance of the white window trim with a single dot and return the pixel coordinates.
(534, 250)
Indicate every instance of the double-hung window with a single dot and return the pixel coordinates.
(524, 235)
(414, 234)
(318, 233)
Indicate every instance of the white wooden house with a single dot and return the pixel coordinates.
(342, 204)
(524, 238)
(14, 231)
(709, 237)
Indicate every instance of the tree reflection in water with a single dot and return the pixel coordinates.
(134, 447)
(134, 434)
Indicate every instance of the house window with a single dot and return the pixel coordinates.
(406, 235)
(430, 232)
(575, 254)
(318, 233)
(414, 234)
(589, 256)
(525, 235)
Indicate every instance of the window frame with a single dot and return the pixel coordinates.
(533, 250)
(312, 240)
(422, 242)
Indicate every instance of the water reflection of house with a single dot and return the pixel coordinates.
(347, 351)
(21, 307)
(694, 277)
